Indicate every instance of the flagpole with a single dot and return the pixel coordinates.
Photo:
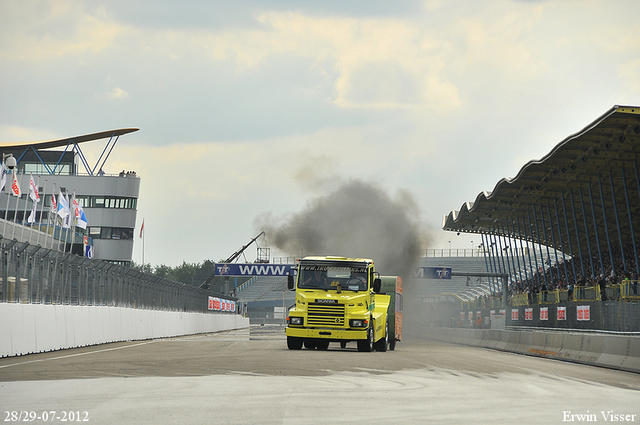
(24, 212)
(35, 198)
(74, 219)
(44, 194)
(64, 221)
(50, 219)
(15, 212)
(142, 236)
(6, 210)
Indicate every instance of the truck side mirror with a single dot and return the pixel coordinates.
(377, 283)
(290, 283)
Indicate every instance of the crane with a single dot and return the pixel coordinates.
(232, 258)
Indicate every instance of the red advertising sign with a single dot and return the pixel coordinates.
(514, 314)
(528, 314)
(544, 313)
(584, 313)
(562, 313)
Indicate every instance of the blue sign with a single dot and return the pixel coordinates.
(432, 273)
(237, 269)
(249, 269)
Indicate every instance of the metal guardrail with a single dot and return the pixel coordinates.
(625, 291)
(586, 293)
(630, 290)
(31, 274)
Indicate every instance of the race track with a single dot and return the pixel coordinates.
(250, 377)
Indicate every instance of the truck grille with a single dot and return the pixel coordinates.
(325, 315)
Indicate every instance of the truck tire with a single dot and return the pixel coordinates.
(392, 339)
(366, 345)
(322, 345)
(309, 344)
(382, 344)
(343, 344)
(294, 343)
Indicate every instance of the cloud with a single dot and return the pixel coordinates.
(117, 93)
(14, 133)
(42, 31)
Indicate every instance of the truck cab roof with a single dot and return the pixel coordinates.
(334, 260)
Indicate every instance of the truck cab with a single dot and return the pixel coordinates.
(338, 299)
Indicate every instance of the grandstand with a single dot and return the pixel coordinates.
(582, 199)
(578, 211)
(264, 288)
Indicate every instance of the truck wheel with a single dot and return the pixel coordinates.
(381, 345)
(294, 343)
(366, 345)
(309, 344)
(343, 344)
(322, 345)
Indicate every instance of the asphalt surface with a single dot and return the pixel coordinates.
(249, 376)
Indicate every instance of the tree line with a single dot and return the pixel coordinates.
(188, 273)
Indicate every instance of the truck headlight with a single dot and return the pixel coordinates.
(357, 323)
(296, 321)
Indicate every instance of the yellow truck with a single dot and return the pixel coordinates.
(341, 299)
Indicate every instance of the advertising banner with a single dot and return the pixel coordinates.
(514, 314)
(528, 314)
(544, 313)
(238, 269)
(562, 313)
(584, 313)
(249, 269)
(432, 273)
(218, 304)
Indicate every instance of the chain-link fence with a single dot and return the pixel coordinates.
(32, 274)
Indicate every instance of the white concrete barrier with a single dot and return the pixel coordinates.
(613, 351)
(34, 328)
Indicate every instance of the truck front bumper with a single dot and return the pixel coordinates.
(327, 333)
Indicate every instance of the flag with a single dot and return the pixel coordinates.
(3, 177)
(62, 206)
(33, 191)
(66, 221)
(54, 204)
(15, 186)
(81, 219)
(35, 197)
(88, 251)
(142, 227)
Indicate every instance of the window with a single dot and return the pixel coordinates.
(124, 233)
(94, 201)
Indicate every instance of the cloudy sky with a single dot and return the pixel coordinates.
(250, 109)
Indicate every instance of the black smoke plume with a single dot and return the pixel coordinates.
(358, 219)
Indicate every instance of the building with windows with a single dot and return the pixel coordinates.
(109, 201)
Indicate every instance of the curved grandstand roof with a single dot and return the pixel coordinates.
(574, 197)
(46, 144)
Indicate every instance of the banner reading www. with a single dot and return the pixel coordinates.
(238, 269)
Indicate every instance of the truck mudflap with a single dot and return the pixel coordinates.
(330, 334)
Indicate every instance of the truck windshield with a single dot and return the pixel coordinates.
(333, 278)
